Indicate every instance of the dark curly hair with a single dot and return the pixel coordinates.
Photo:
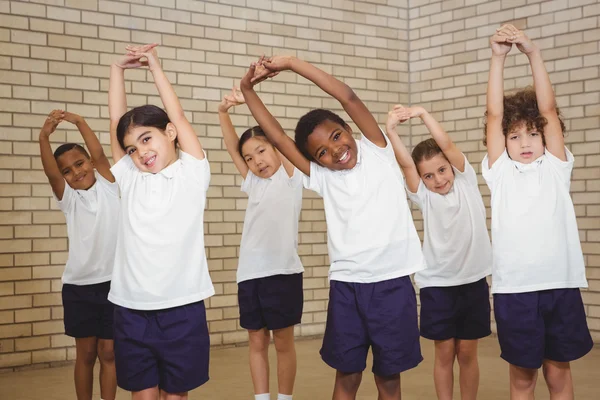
(522, 108)
(307, 124)
(425, 150)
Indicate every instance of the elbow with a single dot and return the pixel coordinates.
(348, 96)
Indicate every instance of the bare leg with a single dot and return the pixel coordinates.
(466, 353)
(559, 380)
(346, 385)
(108, 372)
(259, 359)
(522, 382)
(388, 387)
(443, 373)
(85, 360)
(146, 394)
(286, 359)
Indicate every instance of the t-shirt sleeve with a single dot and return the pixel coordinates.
(491, 174)
(469, 174)
(419, 198)
(314, 182)
(123, 171)
(386, 152)
(562, 168)
(68, 199)
(110, 187)
(198, 170)
(248, 182)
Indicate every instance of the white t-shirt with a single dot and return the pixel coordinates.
(160, 260)
(456, 246)
(370, 230)
(535, 240)
(270, 237)
(92, 232)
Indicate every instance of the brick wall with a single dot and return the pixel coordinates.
(56, 53)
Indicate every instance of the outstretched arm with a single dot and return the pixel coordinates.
(55, 177)
(496, 142)
(269, 124)
(405, 160)
(93, 144)
(188, 141)
(230, 137)
(355, 108)
(546, 100)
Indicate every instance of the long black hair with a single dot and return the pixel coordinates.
(147, 115)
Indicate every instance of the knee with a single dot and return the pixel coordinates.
(349, 382)
(557, 376)
(445, 353)
(388, 384)
(106, 352)
(259, 341)
(87, 355)
(523, 379)
(284, 342)
(466, 358)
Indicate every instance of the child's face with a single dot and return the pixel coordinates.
(150, 148)
(260, 156)
(77, 169)
(333, 146)
(437, 174)
(524, 145)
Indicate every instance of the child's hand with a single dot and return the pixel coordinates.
(72, 118)
(270, 67)
(130, 61)
(500, 42)
(148, 52)
(234, 99)
(524, 44)
(54, 118)
(400, 114)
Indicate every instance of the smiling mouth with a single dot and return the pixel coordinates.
(526, 154)
(150, 162)
(344, 158)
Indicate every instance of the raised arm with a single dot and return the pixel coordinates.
(117, 106)
(269, 124)
(405, 160)
(55, 177)
(186, 136)
(441, 137)
(230, 137)
(496, 141)
(355, 108)
(546, 100)
(93, 144)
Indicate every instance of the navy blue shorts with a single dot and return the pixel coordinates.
(273, 302)
(87, 311)
(381, 315)
(166, 348)
(456, 312)
(548, 324)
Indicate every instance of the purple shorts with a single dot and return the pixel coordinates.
(548, 324)
(456, 312)
(166, 348)
(88, 313)
(274, 302)
(381, 315)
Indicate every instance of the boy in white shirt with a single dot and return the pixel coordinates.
(538, 262)
(161, 275)
(454, 294)
(373, 244)
(86, 192)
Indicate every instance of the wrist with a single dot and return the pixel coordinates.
(292, 62)
(44, 134)
(534, 53)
